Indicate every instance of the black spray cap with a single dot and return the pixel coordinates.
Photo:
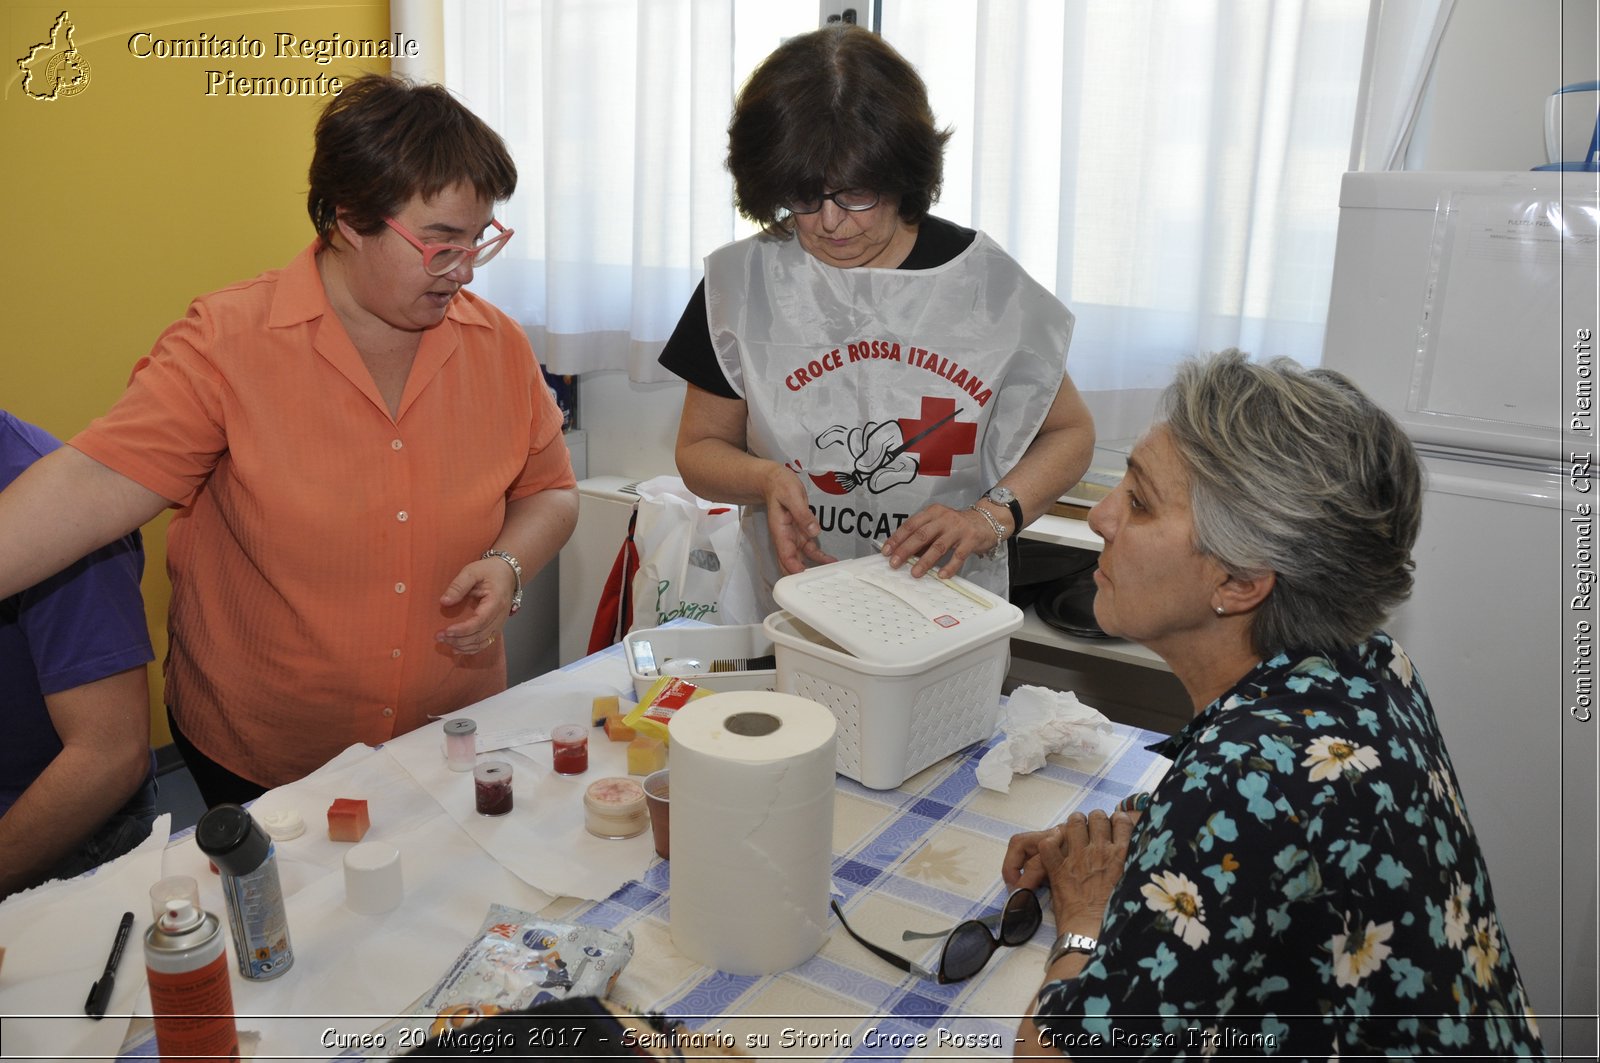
(234, 841)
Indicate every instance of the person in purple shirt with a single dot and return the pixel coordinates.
(77, 785)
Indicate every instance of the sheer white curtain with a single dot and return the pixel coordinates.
(1402, 43)
(1170, 168)
(616, 112)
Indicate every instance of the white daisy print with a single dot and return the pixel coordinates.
(1484, 952)
(1455, 914)
(1401, 666)
(1172, 894)
(1359, 954)
(1329, 757)
(1453, 793)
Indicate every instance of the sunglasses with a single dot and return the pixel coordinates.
(969, 945)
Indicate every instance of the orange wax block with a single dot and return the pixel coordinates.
(347, 820)
(618, 731)
(646, 755)
(604, 707)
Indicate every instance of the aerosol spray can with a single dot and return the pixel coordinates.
(248, 863)
(191, 997)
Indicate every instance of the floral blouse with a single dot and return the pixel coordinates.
(1305, 883)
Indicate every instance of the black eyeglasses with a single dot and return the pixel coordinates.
(969, 945)
(851, 199)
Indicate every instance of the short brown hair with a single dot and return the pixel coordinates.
(835, 108)
(384, 140)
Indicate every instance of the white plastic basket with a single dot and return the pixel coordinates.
(651, 650)
(918, 688)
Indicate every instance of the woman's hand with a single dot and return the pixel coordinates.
(939, 533)
(793, 528)
(1083, 858)
(1023, 866)
(484, 589)
(1020, 868)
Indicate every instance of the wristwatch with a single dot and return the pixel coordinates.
(1004, 496)
(1070, 942)
(516, 570)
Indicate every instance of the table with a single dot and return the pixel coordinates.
(921, 857)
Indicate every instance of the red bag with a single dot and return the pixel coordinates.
(614, 615)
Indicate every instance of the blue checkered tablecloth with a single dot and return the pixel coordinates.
(922, 857)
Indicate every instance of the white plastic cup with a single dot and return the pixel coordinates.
(372, 880)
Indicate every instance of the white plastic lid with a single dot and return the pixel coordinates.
(886, 616)
(180, 916)
(170, 889)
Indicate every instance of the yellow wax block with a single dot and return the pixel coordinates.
(618, 731)
(606, 705)
(646, 755)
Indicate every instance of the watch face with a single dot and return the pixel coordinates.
(1003, 495)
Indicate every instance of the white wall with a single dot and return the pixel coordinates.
(1498, 61)
(631, 427)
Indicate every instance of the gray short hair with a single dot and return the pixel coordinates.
(1296, 471)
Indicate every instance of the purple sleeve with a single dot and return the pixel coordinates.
(87, 622)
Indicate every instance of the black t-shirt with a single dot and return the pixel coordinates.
(689, 353)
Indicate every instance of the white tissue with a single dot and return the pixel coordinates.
(1037, 722)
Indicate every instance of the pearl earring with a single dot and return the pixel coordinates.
(1221, 611)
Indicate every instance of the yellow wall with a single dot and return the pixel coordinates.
(129, 197)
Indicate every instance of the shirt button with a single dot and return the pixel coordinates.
(402, 516)
(387, 711)
(396, 653)
(396, 444)
(399, 588)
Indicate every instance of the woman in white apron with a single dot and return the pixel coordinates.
(862, 376)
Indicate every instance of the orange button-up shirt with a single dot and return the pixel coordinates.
(315, 532)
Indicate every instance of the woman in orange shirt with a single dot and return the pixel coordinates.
(365, 461)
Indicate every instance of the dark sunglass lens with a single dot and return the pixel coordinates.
(969, 947)
(1020, 919)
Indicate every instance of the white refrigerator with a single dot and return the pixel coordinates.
(1459, 301)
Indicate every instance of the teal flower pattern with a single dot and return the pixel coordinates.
(1305, 884)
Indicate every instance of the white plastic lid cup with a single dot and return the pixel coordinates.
(372, 879)
(460, 744)
(173, 888)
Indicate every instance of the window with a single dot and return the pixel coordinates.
(1170, 168)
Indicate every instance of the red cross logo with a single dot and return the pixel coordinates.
(936, 449)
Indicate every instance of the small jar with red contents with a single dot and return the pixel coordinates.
(569, 749)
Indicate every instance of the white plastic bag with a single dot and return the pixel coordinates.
(690, 563)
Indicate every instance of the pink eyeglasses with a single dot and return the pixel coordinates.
(439, 259)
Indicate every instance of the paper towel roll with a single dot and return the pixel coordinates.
(752, 830)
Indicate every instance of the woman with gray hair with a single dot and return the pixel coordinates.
(1304, 879)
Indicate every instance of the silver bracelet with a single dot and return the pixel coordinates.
(999, 532)
(1070, 942)
(516, 570)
